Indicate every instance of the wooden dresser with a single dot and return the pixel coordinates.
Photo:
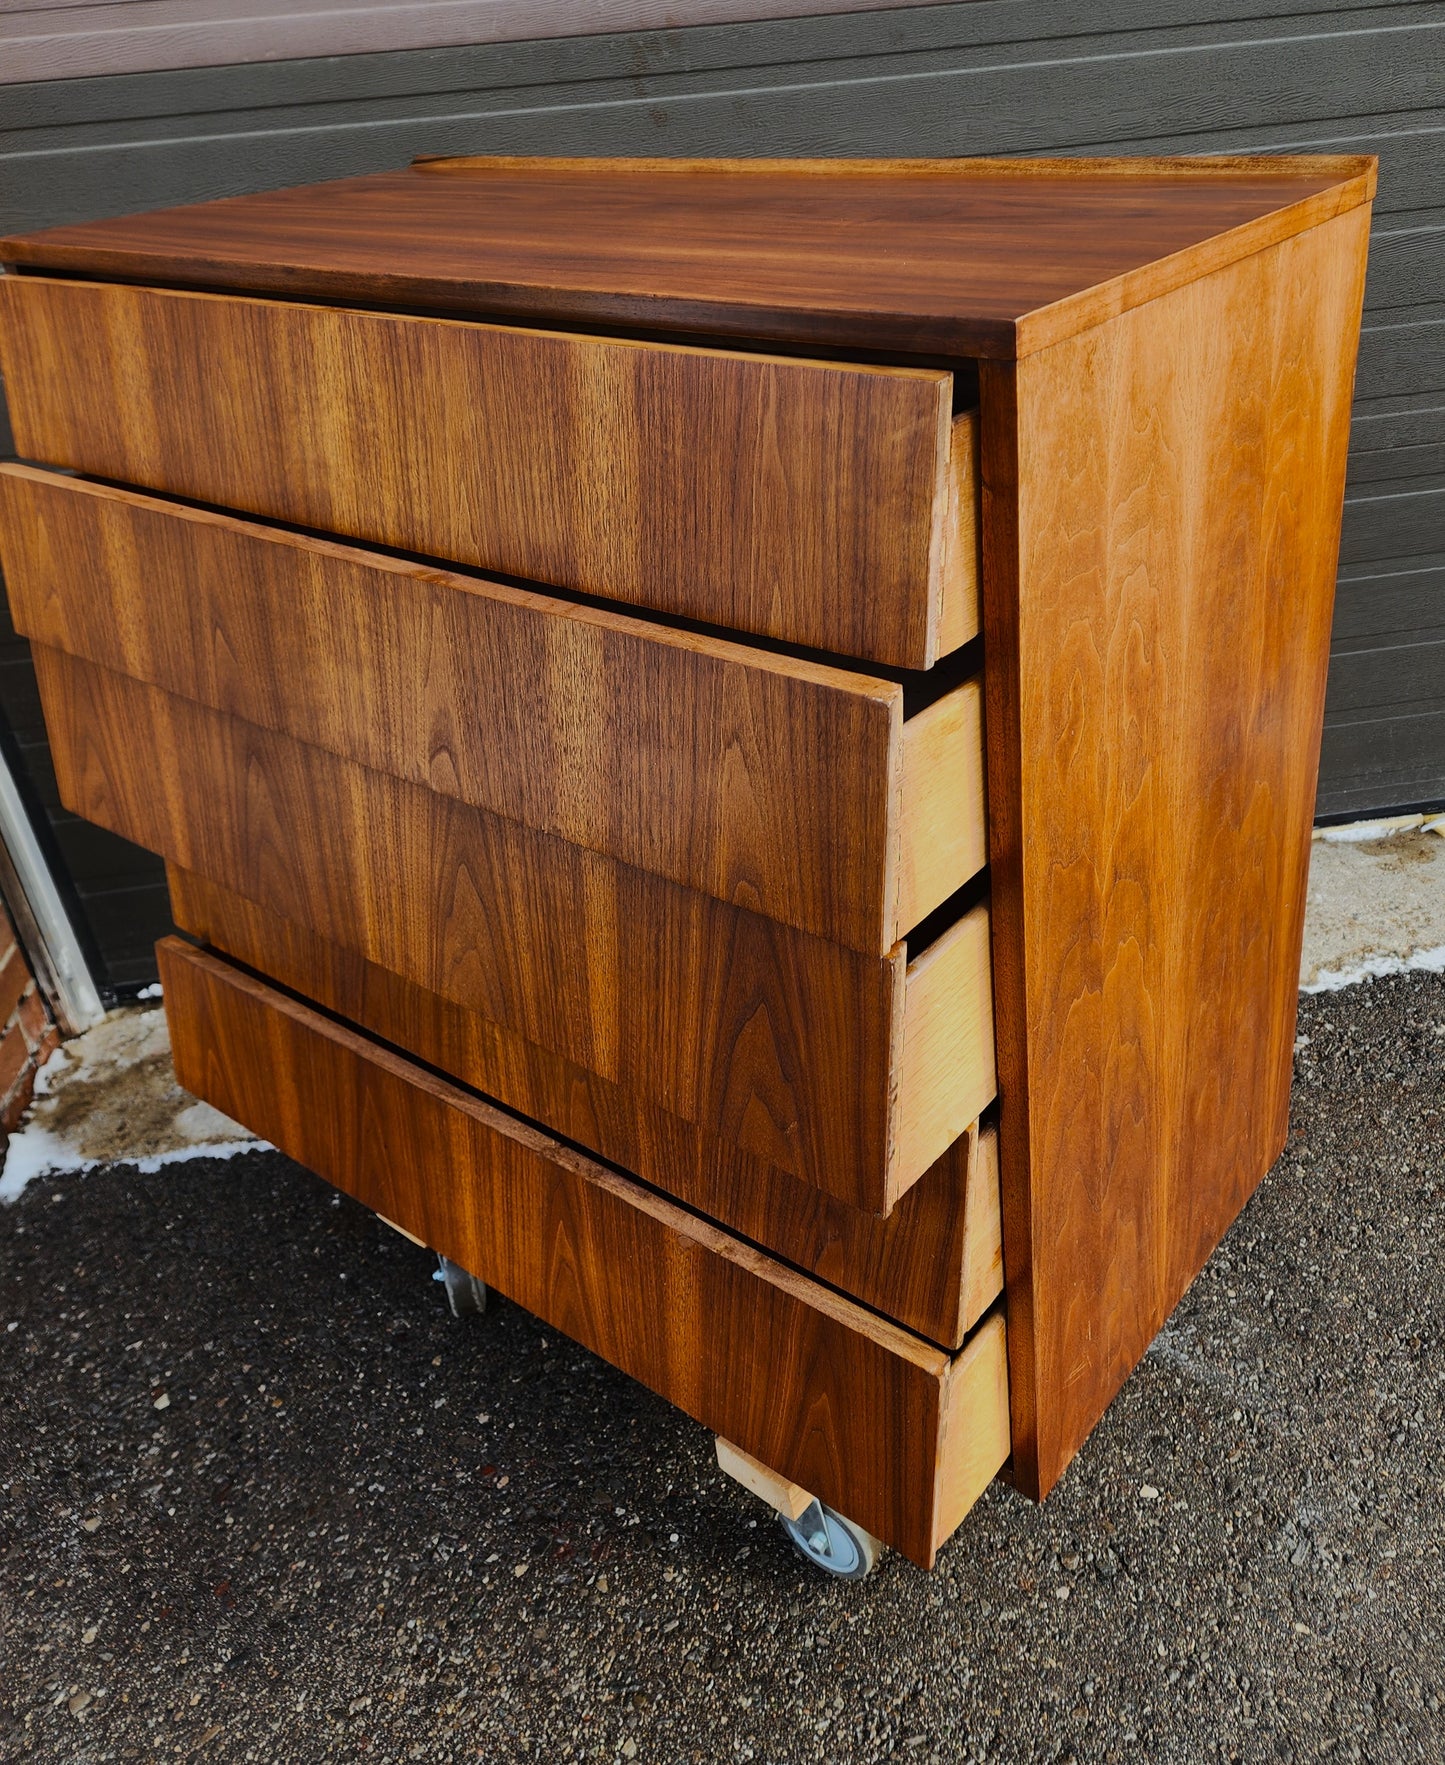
(562, 621)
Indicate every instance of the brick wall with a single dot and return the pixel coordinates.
(29, 1035)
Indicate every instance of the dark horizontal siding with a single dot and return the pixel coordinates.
(1398, 524)
(1407, 267)
(985, 77)
(1386, 709)
(1407, 748)
(1405, 674)
(35, 43)
(993, 76)
(1405, 601)
(1385, 425)
(1400, 361)
(1399, 465)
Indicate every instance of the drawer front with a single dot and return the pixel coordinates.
(935, 1264)
(794, 789)
(826, 504)
(852, 1072)
(885, 1427)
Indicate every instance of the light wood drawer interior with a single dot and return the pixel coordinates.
(828, 504)
(887, 1428)
(789, 787)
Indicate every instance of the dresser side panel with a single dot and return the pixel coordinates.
(1180, 476)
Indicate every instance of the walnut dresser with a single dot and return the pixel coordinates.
(735, 740)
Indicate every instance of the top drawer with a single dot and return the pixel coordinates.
(826, 504)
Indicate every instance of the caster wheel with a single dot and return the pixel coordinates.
(831, 1543)
(466, 1295)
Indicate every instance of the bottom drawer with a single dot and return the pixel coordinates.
(890, 1430)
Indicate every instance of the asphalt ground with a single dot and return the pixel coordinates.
(263, 1499)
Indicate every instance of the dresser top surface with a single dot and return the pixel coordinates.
(993, 258)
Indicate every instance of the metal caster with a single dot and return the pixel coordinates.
(466, 1295)
(819, 1534)
(830, 1543)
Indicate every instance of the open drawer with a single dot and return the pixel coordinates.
(893, 1432)
(825, 503)
(934, 1264)
(851, 1072)
(787, 786)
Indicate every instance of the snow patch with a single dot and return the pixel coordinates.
(110, 1097)
(1357, 832)
(1376, 903)
(30, 1154)
(35, 1152)
(1328, 980)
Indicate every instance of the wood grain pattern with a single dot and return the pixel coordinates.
(934, 1264)
(960, 614)
(780, 1493)
(1161, 507)
(781, 1043)
(798, 499)
(836, 1399)
(946, 1067)
(942, 820)
(982, 1258)
(760, 779)
(999, 479)
(975, 1426)
(1167, 353)
(987, 258)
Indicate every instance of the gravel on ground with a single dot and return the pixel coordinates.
(262, 1498)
